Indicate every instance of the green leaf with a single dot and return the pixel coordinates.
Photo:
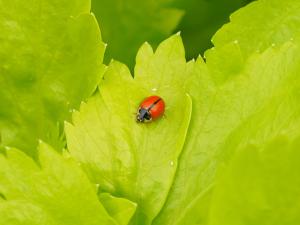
(198, 211)
(263, 174)
(54, 191)
(260, 186)
(260, 25)
(121, 209)
(128, 159)
(228, 92)
(50, 54)
(128, 24)
(279, 116)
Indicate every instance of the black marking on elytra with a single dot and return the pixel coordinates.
(153, 104)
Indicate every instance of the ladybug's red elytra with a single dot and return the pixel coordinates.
(150, 109)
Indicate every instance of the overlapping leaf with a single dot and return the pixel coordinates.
(50, 60)
(120, 209)
(260, 25)
(261, 185)
(278, 117)
(55, 191)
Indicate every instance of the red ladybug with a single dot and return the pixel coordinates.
(150, 109)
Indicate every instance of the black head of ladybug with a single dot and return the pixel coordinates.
(143, 115)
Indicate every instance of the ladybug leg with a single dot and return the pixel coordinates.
(164, 116)
(136, 112)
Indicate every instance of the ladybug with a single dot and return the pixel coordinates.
(150, 109)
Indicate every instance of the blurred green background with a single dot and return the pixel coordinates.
(128, 24)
